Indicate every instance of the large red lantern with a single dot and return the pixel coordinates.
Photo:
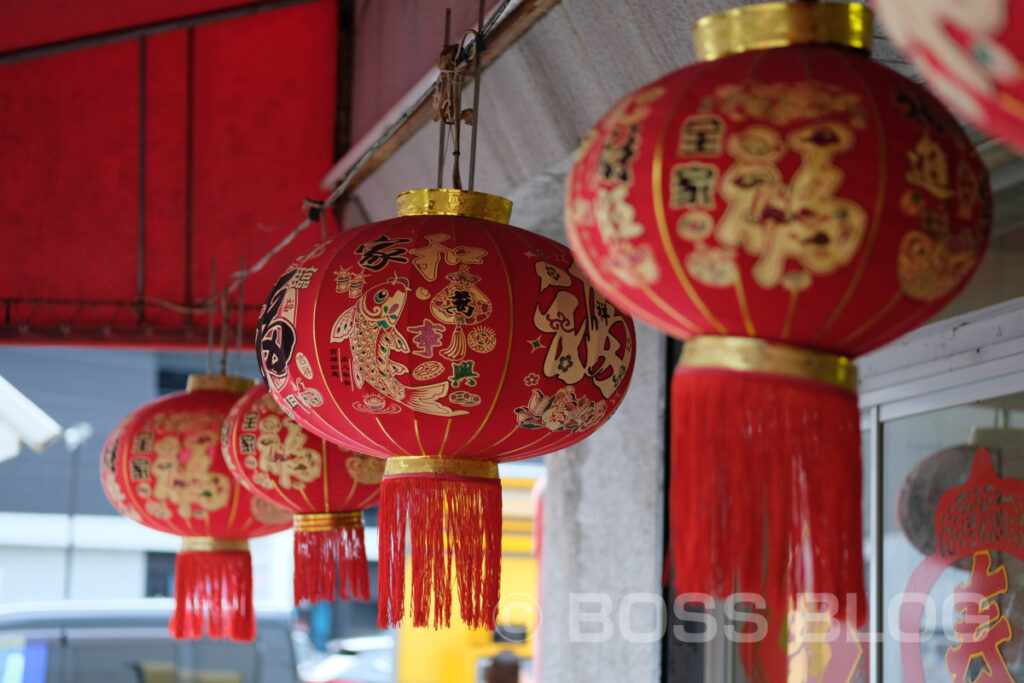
(325, 485)
(445, 341)
(162, 467)
(783, 205)
(969, 53)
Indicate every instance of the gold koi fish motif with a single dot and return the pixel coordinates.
(370, 328)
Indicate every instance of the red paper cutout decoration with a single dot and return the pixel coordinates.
(325, 485)
(978, 526)
(782, 209)
(970, 55)
(445, 343)
(162, 467)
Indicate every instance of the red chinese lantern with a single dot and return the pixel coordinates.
(970, 55)
(445, 341)
(783, 205)
(326, 486)
(162, 467)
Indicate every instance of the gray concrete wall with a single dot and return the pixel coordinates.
(603, 540)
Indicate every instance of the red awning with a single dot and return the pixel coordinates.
(127, 167)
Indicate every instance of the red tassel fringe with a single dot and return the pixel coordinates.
(451, 519)
(330, 565)
(215, 588)
(766, 488)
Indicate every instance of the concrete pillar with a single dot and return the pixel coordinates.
(601, 604)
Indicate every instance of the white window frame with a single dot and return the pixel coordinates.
(971, 357)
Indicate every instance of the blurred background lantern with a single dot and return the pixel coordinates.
(970, 54)
(445, 341)
(783, 205)
(325, 485)
(162, 467)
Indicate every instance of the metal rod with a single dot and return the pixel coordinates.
(69, 551)
(476, 95)
(440, 123)
(224, 327)
(150, 29)
(876, 493)
(189, 162)
(140, 285)
(209, 334)
(239, 324)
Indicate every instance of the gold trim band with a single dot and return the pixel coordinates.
(236, 385)
(781, 24)
(443, 201)
(209, 544)
(328, 521)
(746, 354)
(423, 464)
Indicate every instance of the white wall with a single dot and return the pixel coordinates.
(107, 574)
(109, 558)
(30, 574)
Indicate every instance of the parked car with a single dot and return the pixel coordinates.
(128, 642)
(366, 659)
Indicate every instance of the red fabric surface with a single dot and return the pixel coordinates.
(39, 22)
(213, 594)
(162, 466)
(444, 336)
(257, 95)
(803, 194)
(331, 565)
(278, 460)
(970, 54)
(766, 488)
(458, 524)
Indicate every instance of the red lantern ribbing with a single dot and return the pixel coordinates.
(162, 467)
(783, 205)
(325, 485)
(447, 342)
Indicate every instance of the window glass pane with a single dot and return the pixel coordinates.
(928, 460)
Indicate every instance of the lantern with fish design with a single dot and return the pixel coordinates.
(445, 341)
(162, 467)
(325, 485)
(783, 205)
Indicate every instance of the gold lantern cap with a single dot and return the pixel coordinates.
(750, 354)
(443, 201)
(236, 385)
(781, 24)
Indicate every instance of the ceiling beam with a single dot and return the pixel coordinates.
(519, 20)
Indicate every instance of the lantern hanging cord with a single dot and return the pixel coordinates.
(453, 63)
(314, 210)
